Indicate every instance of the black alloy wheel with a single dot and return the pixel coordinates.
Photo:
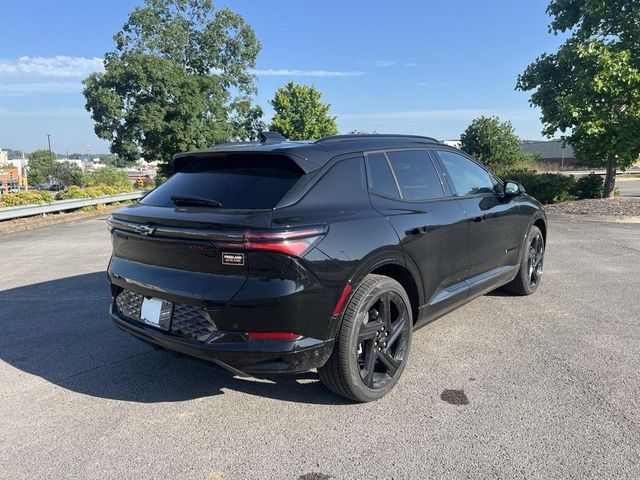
(535, 259)
(372, 346)
(382, 340)
(529, 275)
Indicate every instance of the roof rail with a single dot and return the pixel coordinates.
(338, 138)
(271, 137)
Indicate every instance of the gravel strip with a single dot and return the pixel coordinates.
(627, 207)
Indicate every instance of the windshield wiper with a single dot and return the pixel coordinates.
(186, 200)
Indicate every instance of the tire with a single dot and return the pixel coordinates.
(367, 338)
(529, 275)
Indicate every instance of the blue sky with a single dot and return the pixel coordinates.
(420, 67)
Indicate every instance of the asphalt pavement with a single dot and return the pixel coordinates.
(629, 188)
(535, 387)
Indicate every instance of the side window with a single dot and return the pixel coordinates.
(380, 177)
(467, 177)
(346, 177)
(416, 175)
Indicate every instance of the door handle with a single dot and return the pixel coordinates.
(418, 230)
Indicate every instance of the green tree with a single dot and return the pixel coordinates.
(109, 176)
(179, 79)
(591, 86)
(493, 143)
(40, 167)
(67, 174)
(300, 114)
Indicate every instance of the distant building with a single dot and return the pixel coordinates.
(73, 161)
(9, 180)
(553, 154)
(23, 169)
(4, 157)
(453, 143)
(93, 164)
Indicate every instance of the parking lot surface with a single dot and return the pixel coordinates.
(551, 382)
(629, 187)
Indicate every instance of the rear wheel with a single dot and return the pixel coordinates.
(530, 274)
(373, 343)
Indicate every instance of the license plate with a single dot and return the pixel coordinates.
(156, 312)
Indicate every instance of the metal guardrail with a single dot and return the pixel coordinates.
(9, 213)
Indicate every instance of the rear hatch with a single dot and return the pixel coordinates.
(185, 240)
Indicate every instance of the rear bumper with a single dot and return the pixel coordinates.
(234, 351)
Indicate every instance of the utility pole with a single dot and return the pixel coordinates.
(50, 158)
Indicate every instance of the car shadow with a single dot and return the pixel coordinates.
(60, 331)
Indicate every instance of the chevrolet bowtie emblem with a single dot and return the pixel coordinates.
(145, 230)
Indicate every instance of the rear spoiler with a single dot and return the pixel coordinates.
(307, 156)
(303, 164)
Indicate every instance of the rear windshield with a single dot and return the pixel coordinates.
(235, 183)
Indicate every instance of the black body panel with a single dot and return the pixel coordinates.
(444, 250)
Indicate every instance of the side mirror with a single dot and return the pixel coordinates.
(513, 189)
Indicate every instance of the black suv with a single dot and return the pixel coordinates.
(280, 257)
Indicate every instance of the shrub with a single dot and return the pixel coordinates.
(547, 187)
(31, 197)
(109, 176)
(88, 192)
(590, 186)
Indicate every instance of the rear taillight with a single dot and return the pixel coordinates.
(291, 241)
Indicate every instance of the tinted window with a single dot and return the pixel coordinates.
(235, 183)
(380, 176)
(344, 184)
(468, 178)
(416, 175)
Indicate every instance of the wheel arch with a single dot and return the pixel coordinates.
(542, 225)
(394, 265)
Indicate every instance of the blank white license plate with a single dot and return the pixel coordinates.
(151, 311)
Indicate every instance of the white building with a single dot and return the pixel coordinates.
(453, 143)
(71, 160)
(4, 157)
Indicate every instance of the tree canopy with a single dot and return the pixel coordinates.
(44, 168)
(493, 143)
(40, 167)
(590, 87)
(108, 176)
(300, 114)
(179, 79)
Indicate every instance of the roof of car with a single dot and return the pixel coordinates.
(309, 155)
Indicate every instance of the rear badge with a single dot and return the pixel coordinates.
(233, 258)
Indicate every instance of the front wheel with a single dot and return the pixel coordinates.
(372, 346)
(530, 274)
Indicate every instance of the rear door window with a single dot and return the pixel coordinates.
(380, 177)
(235, 183)
(415, 174)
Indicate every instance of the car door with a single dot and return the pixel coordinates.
(495, 235)
(405, 186)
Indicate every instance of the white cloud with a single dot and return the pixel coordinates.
(410, 64)
(384, 63)
(288, 72)
(57, 66)
(21, 89)
(67, 66)
(52, 112)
